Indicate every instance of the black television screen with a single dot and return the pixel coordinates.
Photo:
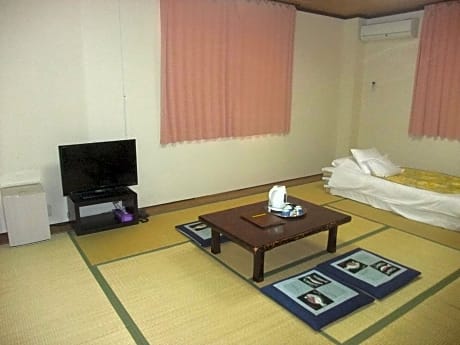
(99, 165)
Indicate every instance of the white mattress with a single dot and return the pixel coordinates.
(421, 205)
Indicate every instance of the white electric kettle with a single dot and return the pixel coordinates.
(277, 198)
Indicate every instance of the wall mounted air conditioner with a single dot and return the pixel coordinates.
(390, 30)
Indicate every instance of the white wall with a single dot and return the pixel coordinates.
(385, 108)
(349, 97)
(78, 71)
(42, 100)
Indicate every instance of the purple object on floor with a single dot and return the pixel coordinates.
(123, 216)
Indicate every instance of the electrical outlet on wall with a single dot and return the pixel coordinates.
(49, 210)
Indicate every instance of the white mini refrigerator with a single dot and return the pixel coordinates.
(26, 214)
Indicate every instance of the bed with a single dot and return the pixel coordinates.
(368, 180)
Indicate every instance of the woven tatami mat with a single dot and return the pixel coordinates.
(158, 232)
(448, 237)
(48, 296)
(181, 296)
(122, 242)
(436, 321)
(435, 262)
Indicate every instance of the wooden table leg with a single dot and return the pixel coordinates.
(258, 269)
(215, 242)
(332, 239)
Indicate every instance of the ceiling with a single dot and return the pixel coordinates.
(359, 8)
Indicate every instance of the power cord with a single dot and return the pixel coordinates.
(143, 216)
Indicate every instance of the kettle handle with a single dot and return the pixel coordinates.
(272, 190)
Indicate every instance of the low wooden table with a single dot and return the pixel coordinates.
(258, 239)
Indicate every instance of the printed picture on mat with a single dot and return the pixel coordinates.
(314, 280)
(315, 292)
(385, 267)
(197, 226)
(369, 268)
(352, 265)
(315, 299)
(201, 229)
(199, 233)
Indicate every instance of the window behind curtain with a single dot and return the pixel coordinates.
(226, 68)
(436, 97)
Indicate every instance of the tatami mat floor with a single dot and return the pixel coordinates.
(148, 284)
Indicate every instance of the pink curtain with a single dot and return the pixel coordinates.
(436, 97)
(226, 68)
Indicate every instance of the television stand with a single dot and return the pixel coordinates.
(103, 221)
(101, 193)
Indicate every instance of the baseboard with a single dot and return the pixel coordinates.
(182, 204)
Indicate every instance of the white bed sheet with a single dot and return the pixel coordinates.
(421, 205)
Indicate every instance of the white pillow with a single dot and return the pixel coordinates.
(349, 162)
(338, 161)
(362, 156)
(383, 167)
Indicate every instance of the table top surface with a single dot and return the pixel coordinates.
(230, 222)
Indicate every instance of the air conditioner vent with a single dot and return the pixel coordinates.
(390, 30)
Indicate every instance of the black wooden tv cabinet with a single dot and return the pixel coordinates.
(103, 221)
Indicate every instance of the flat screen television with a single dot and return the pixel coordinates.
(97, 166)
